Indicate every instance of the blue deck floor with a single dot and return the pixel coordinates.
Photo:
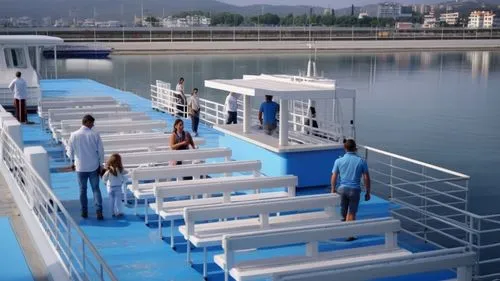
(13, 266)
(132, 249)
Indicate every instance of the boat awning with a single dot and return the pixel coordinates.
(281, 87)
(30, 40)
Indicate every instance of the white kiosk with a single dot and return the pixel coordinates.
(304, 138)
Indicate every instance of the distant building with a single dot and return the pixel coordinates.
(328, 12)
(24, 22)
(389, 10)
(89, 23)
(6, 22)
(61, 23)
(404, 25)
(450, 18)
(188, 21)
(362, 15)
(430, 21)
(406, 12)
(482, 19)
(421, 9)
(46, 21)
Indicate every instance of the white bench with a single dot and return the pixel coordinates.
(166, 173)
(313, 259)
(416, 263)
(73, 125)
(159, 139)
(257, 216)
(44, 107)
(85, 110)
(143, 146)
(76, 98)
(133, 160)
(134, 126)
(56, 123)
(172, 210)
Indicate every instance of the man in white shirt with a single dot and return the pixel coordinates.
(19, 87)
(180, 98)
(86, 150)
(194, 111)
(231, 107)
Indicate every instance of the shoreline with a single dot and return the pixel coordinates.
(132, 48)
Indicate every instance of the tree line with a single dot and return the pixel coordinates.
(269, 19)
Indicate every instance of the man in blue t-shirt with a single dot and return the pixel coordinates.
(350, 168)
(269, 108)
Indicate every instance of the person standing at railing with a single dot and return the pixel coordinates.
(231, 108)
(180, 98)
(269, 109)
(194, 111)
(86, 151)
(350, 168)
(19, 87)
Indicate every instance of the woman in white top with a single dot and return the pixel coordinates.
(194, 111)
(115, 178)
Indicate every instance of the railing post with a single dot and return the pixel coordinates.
(424, 203)
(390, 178)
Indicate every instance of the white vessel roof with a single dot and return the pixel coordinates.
(280, 86)
(31, 40)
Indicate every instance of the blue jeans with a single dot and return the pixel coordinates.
(93, 177)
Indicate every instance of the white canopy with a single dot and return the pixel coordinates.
(279, 86)
(30, 40)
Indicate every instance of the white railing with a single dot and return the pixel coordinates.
(79, 257)
(432, 203)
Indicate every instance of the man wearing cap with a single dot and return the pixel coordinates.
(86, 152)
(350, 168)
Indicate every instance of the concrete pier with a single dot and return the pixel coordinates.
(295, 46)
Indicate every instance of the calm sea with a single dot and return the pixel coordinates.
(440, 108)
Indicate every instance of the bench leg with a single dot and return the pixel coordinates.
(188, 252)
(205, 262)
(146, 211)
(159, 227)
(172, 234)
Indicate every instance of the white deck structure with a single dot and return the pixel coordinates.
(22, 53)
(295, 95)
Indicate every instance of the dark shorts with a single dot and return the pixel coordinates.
(349, 201)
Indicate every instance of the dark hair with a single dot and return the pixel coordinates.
(269, 98)
(350, 145)
(195, 89)
(177, 121)
(18, 74)
(114, 164)
(87, 118)
(181, 79)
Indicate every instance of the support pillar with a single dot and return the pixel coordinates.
(283, 124)
(247, 114)
(13, 129)
(38, 157)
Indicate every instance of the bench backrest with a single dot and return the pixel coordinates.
(137, 136)
(143, 146)
(56, 118)
(158, 139)
(169, 172)
(76, 98)
(87, 109)
(73, 125)
(321, 202)
(123, 127)
(225, 185)
(310, 235)
(46, 105)
(138, 158)
(391, 267)
(109, 118)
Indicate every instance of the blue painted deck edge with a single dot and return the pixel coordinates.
(319, 163)
(13, 265)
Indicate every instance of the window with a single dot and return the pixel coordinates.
(15, 58)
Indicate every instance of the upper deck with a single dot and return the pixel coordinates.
(132, 249)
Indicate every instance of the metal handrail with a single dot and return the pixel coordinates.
(21, 171)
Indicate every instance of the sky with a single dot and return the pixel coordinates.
(323, 3)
